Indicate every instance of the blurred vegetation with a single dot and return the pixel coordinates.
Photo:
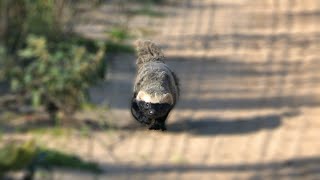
(27, 156)
(151, 1)
(146, 10)
(45, 63)
(117, 36)
(60, 78)
(54, 131)
(14, 157)
(115, 47)
(48, 67)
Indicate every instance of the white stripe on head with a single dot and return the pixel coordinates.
(144, 96)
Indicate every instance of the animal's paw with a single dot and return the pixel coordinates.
(158, 126)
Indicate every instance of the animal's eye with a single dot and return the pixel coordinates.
(147, 105)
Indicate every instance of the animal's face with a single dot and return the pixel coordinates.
(154, 105)
(154, 110)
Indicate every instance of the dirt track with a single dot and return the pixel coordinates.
(250, 98)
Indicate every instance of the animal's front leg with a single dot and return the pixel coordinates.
(159, 123)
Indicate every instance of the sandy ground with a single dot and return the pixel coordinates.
(250, 101)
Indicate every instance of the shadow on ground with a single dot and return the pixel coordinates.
(308, 167)
(216, 126)
(296, 167)
(221, 83)
(41, 123)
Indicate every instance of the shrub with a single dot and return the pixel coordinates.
(53, 19)
(3, 58)
(57, 75)
(28, 156)
(21, 17)
(15, 157)
(44, 63)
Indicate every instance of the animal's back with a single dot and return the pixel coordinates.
(156, 77)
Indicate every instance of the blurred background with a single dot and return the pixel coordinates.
(249, 74)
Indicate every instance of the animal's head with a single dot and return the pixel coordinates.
(154, 105)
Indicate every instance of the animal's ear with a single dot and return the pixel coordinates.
(168, 99)
(140, 95)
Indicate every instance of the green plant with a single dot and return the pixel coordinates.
(21, 17)
(57, 75)
(2, 62)
(46, 65)
(50, 18)
(150, 1)
(147, 11)
(119, 34)
(56, 131)
(51, 158)
(115, 47)
(15, 157)
(29, 156)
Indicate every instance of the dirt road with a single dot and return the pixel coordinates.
(250, 101)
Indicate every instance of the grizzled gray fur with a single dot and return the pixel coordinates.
(156, 88)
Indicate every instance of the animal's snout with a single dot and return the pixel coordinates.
(151, 112)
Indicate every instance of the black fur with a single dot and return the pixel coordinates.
(156, 120)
